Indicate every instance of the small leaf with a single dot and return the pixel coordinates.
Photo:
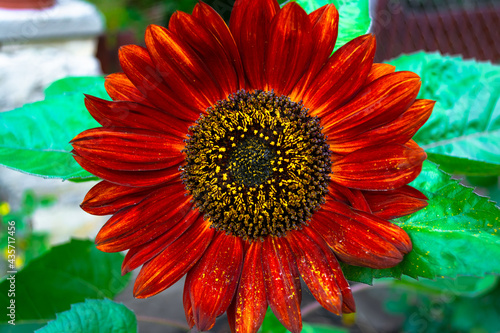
(271, 324)
(463, 132)
(463, 166)
(354, 17)
(67, 274)
(35, 138)
(458, 233)
(318, 328)
(94, 316)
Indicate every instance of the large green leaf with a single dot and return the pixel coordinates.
(463, 132)
(457, 234)
(354, 17)
(94, 316)
(67, 274)
(35, 138)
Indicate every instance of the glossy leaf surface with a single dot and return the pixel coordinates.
(94, 316)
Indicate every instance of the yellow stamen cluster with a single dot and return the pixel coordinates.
(257, 164)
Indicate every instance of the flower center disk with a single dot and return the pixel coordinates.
(250, 162)
(257, 164)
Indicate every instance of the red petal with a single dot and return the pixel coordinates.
(250, 304)
(400, 130)
(231, 313)
(135, 115)
(282, 282)
(131, 178)
(395, 203)
(188, 309)
(353, 241)
(324, 23)
(213, 54)
(354, 197)
(141, 71)
(383, 167)
(375, 105)
(379, 70)
(120, 88)
(335, 193)
(250, 22)
(212, 21)
(174, 261)
(289, 51)
(138, 255)
(107, 198)
(128, 149)
(213, 281)
(391, 232)
(348, 305)
(314, 267)
(181, 68)
(341, 77)
(145, 221)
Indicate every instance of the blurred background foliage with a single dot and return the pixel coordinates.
(465, 304)
(126, 21)
(29, 244)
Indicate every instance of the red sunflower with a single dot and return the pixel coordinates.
(248, 156)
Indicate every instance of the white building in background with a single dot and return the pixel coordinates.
(38, 47)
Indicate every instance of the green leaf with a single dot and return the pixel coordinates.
(462, 165)
(35, 138)
(483, 181)
(354, 17)
(469, 286)
(67, 274)
(463, 132)
(94, 316)
(271, 324)
(458, 233)
(318, 328)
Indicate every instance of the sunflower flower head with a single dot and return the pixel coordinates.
(247, 156)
